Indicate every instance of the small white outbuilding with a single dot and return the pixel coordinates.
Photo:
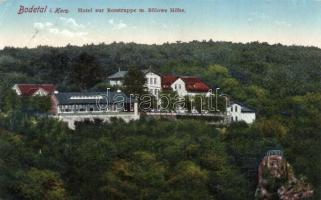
(239, 112)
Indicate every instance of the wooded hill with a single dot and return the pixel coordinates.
(281, 82)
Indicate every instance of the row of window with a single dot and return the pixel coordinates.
(77, 109)
(87, 97)
(154, 92)
(234, 119)
(178, 86)
(235, 108)
(83, 108)
(152, 81)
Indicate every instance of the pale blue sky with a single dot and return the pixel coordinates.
(274, 21)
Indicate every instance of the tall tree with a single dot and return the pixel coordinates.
(134, 82)
(60, 63)
(85, 71)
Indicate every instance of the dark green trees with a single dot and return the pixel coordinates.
(29, 105)
(85, 71)
(40, 184)
(137, 160)
(134, 82)
(281, 82)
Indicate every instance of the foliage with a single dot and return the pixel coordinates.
(138, 160)
(30, 105)
(247, 145)
(40, 184)
(116, 161)
(85, 71)
(134, 82)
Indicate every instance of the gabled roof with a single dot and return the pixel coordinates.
(30, 89)
(195, 84)
(145, 71)
(247, 110)
(168, 80)
(244, 108)
(122, 74)
(192, 83)
(118, 75)
(73, 98)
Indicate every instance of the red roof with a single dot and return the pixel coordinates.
(194, 84)
(168, 80)
(30, 89)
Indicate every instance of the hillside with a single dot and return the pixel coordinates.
(281, 82)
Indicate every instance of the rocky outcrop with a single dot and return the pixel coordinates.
(276, 180)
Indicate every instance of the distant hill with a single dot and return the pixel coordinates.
(245, 71)
(281, 82)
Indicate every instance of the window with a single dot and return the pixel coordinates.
(150, 80)
(175, 86)
(236, 118)
(235, 108)
(179, 86)
(155, 81)
(231, 108)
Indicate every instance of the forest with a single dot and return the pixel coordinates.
(149, 159)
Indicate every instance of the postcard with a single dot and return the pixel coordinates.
(160, 99)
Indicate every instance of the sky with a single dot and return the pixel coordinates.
(289, 22)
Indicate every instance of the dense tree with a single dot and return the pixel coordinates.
(40, 184)
(247, 146)
(138, 160)
(118, 160)
(31, 105)
(134, 82)
(85, 71)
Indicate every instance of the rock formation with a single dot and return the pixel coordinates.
(276, 180)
